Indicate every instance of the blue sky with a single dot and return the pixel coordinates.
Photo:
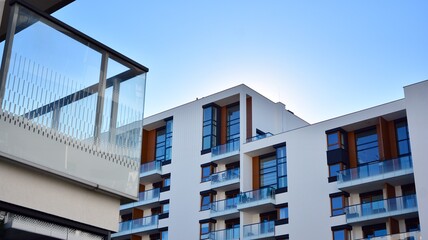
(321, 58)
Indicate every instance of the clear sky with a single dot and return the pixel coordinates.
(321, 58)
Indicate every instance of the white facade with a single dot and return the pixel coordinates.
(392, 212)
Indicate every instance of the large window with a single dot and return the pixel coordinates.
(334, 169)
(341, 234)
(209, 127)
(273, 169)
(281, 156)
(338, 204)
(205, 230)
(232, 122)
(335, 140)
(377, 230)
(367, 146)
(372, 202)
(206, 199)
(206, 171)
(403, 141)
(164, 142)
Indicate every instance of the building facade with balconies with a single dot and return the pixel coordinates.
(71, 114)
(234, 165)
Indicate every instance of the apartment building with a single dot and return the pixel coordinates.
(71, 114)
(234, 165)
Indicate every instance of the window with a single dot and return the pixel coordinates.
(281, 156)
(412, 224)
(205, 230)
(233, 228)
(206, 200)
(338, 204)
(232, 124)
(168, 140)
(334, 169)
(282, 213)
(367, 146)
(372, 202)
(209, 127)
(335, 140)
(164, 235)
(377, 230)
(268, 174)
(341, 234)
(165, 208)
(160, 144)
(403, 141)
(206, 171)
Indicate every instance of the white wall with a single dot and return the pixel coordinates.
(416, 98)
(36, 190)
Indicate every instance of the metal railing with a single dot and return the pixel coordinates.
(415, 235)
(150, 166)
(259, 229)
(224, 176)
(231, 146)
(256, 195)
(224, 205)
(385, 207)
(375, 169)
(145, 222)
(258, 137)
(225, 234)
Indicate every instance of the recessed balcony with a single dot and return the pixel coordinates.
(225, 234)
(225, 180)
(226, 153)
(260, 200)
(136, 227)
(374, 175)
(146, 199)
(150, 172)
(264, 230)
(415, 235)
(405, 206)
(224, 209)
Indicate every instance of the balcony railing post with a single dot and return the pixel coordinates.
(10, 34)
(114, 112)
(100, 100)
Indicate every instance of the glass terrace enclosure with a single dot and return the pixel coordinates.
(70, 103)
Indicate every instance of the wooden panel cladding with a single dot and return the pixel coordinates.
(142, 188)
(137, 213)
(249, 117)
(149, 145)
(390, 191)
(135, 237)
(223, 125)
(256, 173)
(392, 139)
(383, 139)
(352, 150)
(394, 226)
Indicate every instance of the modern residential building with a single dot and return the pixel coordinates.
(71, 114)
(235, 165)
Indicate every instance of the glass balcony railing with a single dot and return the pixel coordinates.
(254, 197)
(66, 88)
(137, 225)
(145, 197)
(375, 169)
(383, 208)
(224, 177)
(259, 230)
(225, 234)
(225, 205)
(231, 146)
(258, 137)
(149, 167)
(415, 235)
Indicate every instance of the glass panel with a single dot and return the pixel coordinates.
(283, 213)
(339, 235)
(333, 141)
(334, 169)
(367, 146)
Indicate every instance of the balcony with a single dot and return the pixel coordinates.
(226, 153)
(260, 200)
(258, 137)
(225, 234)
(416, 235)
(226, 180)
(224, 209)
(146, 199)
(404, 206)
(374, 175)
(70, 105)
(150, 172)
(136, 226)
(264, 230)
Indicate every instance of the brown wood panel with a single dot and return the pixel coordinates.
(151, 145)
(144, 147)
(390, 191)
(223, 125)
(142, 188)
(256, 173)
(394, 226)
(352, 150)
(136, 237)
(137, 213)
(392, 139)
(383, 138)
(249, 117)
